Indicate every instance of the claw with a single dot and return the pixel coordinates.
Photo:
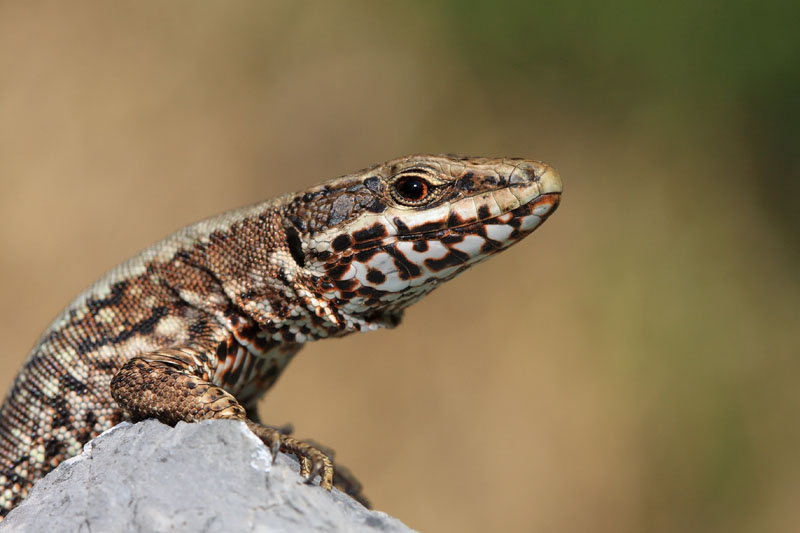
(274, 448)
(317, 469)
(268, 435)
(305, 467)
(313, 462)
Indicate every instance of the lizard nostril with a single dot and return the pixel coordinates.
(524, 174)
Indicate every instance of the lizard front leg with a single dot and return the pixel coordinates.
(171, 386)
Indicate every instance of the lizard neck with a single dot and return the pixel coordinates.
(253, 257)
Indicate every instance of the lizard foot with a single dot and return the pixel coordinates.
(315, 460)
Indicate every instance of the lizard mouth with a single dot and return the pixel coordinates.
(517, 222)
(438, 251)
(512, 211)
(446, 252)
(514, 224)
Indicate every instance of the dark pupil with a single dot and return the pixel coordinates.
(412, 188)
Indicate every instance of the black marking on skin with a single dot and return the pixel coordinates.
(263, 345)
(421, 246)
(53, 448)
(376, 231)
(376, 276)
(365, 291)
(402, 229)
(346, 260)
(489, 247)
(454, 220)
(62, 412)
(483, 212)
(70, 382)
(345, 284)
(105, 366)
(522, 211)
(222, 350)
(376, 206)
(295, 246)
(348, 295)
(298, 222)
(427, 227)
(338, 271)
(90, 418)
(365, 255)
(467, 183)
(114, 299)
(145, 327)
(200, 326)
(406, 269)
(233, 376)
(452, 239)
(247, 295)
(249, 332)
(453, 258)
(281, 277)
(323, 255)
(307, 197)
(342, 242)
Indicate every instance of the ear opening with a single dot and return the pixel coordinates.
(295, 246)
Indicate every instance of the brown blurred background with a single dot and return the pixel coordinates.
(633, 366)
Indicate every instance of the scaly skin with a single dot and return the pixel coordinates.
(201, 324)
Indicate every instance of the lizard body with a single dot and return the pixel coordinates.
(201, 324)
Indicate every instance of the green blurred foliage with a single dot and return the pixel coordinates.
(696, 62)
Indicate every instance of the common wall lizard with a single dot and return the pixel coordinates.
(202, 323)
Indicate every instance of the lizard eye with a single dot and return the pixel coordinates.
(411, 190)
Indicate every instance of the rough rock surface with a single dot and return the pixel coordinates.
(210, 476)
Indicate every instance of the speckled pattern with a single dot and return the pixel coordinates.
(201, 324)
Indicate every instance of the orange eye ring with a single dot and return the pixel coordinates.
(412, 189)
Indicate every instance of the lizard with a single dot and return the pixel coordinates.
(201, 324)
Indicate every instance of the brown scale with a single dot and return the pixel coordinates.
(200, 325)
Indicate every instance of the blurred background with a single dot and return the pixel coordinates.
(633, 366)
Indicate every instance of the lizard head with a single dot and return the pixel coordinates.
(372, 243)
